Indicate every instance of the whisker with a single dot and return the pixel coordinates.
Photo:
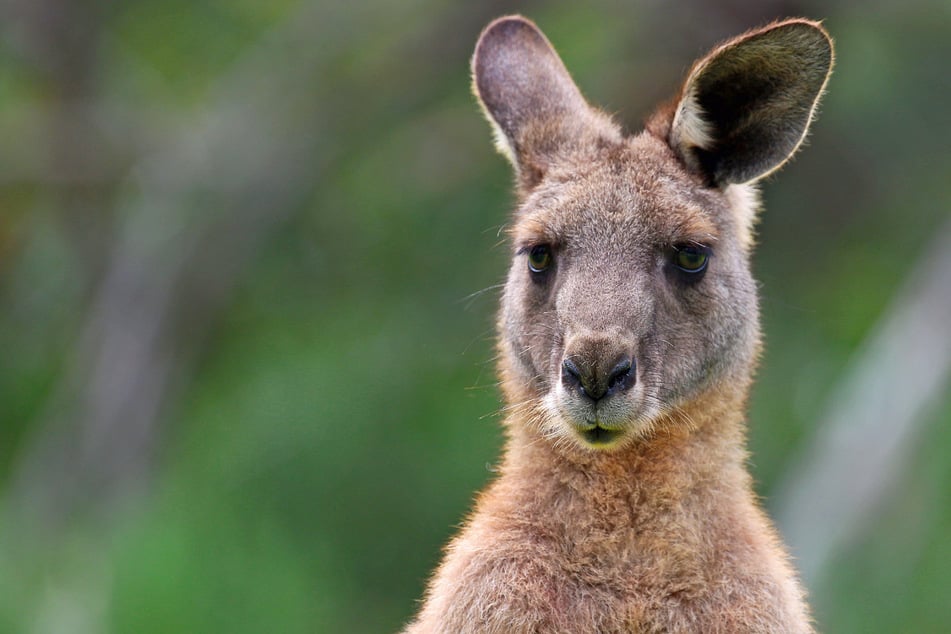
(472, 296)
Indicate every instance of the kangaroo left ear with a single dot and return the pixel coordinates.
(746, 107)
(536, 110)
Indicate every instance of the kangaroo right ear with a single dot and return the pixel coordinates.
(746, 107)
(536, 110)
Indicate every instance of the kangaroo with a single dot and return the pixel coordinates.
(628, 337)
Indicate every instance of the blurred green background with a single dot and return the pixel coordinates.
(248, 257)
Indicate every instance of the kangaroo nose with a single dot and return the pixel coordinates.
(597, 380)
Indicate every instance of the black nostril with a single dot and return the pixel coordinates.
(570, 374)
(621, 376)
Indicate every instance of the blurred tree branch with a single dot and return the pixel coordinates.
(875, 415)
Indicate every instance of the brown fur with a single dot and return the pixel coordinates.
(623, 502)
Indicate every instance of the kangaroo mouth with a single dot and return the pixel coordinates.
(598, 436)
(599, 426)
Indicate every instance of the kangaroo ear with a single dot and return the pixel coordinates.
(536, 110)
(746, 107)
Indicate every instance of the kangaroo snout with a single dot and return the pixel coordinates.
(596, 375)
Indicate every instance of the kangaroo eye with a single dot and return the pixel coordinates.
(539, 258)
(691, 259)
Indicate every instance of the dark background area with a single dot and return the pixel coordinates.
(248, 257)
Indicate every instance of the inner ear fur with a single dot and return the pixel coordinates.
(536, 110)
(746, 107)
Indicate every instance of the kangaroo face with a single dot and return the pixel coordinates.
(630, 291)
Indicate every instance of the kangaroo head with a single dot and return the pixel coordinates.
(630, 291)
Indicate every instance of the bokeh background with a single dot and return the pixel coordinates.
(248, 264)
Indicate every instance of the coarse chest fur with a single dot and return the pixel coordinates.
(628, 338)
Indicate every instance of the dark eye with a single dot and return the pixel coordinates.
(691, 259)
(539, 258)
